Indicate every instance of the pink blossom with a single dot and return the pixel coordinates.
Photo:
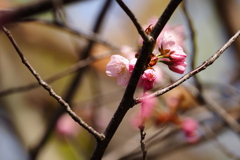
(132, 64)
(172, 54)
(177, 31)
(119, 67)
(177, 54)
(149, 76)
(178, 67)
(190, 126)
(166, 43)
(147, 106)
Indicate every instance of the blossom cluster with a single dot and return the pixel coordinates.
(168, 51)
(122, 68)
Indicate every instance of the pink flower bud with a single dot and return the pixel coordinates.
(177, 54)
(178, 67)
(149, 76)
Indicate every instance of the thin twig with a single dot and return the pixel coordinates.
(50, 90)
(134, 20)
(143, 146)
(200, 68)
(73, 68)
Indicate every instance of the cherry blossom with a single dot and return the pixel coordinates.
(172, 54)
(178, 67)
(119, 67)
(190, 126)
(132, 64)
(149, 76)
(146, 111)
(177, 31)
(177, 54)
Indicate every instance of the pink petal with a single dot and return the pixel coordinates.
(123, 79)
(116, 66)
(132, 64)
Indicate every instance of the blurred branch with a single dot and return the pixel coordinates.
(14, 15)
(211, 135)
(128, 101)
(143, 146)
(59, 14)
(73, 68)
(89, 36)
(134, 20)
(73, 85)
(167, 141)
(50, 90)
(193, 52)
(217, 109)
(228, 11)
(200, 68)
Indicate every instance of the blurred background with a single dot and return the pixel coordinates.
(29, 117)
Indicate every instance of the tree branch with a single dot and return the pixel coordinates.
(134, 20)
(10, 16)
(73, 86)
(50, 90)
(127, 101)
(142, 143)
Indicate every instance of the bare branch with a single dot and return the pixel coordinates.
(50, 90)
(143, 146)
(134, 20)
